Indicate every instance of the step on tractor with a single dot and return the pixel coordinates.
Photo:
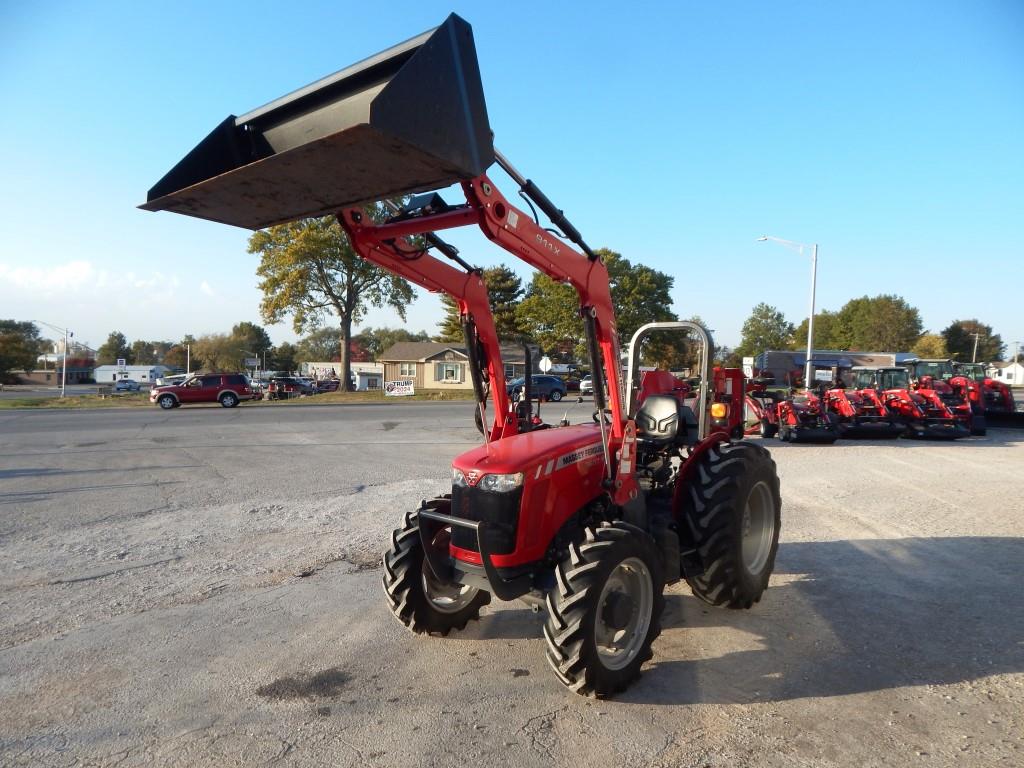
(995, 398)
(922, 411)
(761, 402)
(587, 522)
(960, 394)
(863, 414)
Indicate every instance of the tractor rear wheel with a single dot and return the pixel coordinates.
(733, 511)
(414, 594)
(606, 609)
(768, 429)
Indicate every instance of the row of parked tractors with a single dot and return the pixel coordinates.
(932, 399)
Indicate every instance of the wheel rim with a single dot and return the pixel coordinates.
(758, 528)
(618, 646)
(446, 598)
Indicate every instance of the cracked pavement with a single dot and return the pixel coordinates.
(201, 587)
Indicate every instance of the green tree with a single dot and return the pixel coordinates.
(309, 270)
(114, 348)
(766, 328)
(930, 345)
(284, 357)
(551, 312)
(884, 323)
(251, 340)
(824, 332)
(640, 294)
(176, 357)
(376, 340)
(20, 347)
(143, 353)
(959, 337)
(504, 292)
(321, 345)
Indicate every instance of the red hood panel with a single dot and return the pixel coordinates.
(563, 446)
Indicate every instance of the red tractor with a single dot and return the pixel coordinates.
(862, 413)
(588, 521)
(994, 397)
(922, 412)
(803, 418)
(961, 394)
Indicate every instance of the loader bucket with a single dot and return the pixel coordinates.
(409, 119)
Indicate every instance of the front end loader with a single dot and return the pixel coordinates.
(588, 522)
(862, 414)
(923, 412)
(960, 394)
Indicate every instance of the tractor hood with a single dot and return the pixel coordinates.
(536, 454)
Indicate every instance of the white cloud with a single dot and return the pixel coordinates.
(205, 288)
(48, 281)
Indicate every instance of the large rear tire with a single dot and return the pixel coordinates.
(768, 429)
(414, 595)
(606, 609)
(733, 511)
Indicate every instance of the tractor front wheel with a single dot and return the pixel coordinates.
(768, 429)
(732, 509)
(414, 594)
(605, 610)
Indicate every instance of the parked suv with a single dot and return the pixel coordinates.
(586, 386)
(228, 389)
(541, 387)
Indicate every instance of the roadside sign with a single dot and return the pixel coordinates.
(748, 367)
(400, 388)
(545, 364)
(822, 375)
(122, 363)
(252, 362)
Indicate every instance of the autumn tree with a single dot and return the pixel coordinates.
(930, 345)
(20, 347)
(323, 344)
(766, 328)
(960, 335)
(215, 352)
(309, 270)
(115, 348)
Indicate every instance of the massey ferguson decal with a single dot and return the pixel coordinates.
(581, 455)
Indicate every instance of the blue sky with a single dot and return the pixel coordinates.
(675, 133)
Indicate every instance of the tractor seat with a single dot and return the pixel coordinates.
(663, 421)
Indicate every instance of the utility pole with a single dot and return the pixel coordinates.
(974, 354)
(188, 359)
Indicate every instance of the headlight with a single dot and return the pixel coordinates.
(501, 483)
(458, 478)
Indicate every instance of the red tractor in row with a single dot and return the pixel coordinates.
(863, 413)
(921, 412)
(798, 417)
(961, 394)
(994, 397)
(588, 522)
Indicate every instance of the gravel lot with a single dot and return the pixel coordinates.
(201, 587)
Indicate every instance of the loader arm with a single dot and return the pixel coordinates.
(376, 244)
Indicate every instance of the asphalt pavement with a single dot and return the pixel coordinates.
(202, 587)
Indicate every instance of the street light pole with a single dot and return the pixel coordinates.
(799, 247)
(64, 366)
(974, 354)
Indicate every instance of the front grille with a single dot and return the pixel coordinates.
(499, 510)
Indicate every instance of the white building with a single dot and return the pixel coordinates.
(367, 375)
(1011, 374)
(144, 374)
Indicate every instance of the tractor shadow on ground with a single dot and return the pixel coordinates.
(847, 617)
